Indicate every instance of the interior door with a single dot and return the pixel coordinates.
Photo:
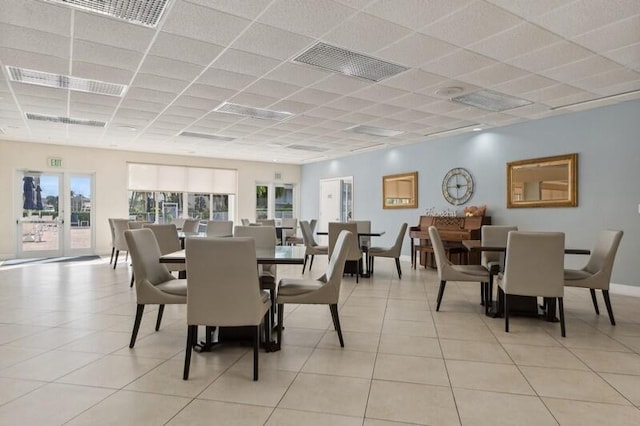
(330, 204)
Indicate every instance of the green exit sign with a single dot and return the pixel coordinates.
(55, 162)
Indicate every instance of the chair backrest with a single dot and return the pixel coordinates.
(603, 254)
(364, 227)
(335, 268)
(353, 252)
(397, 246)
(494, 235)
(442, 261)
(190, 225)
(220, 228)
(148, 271)
(166, 236)
(534, 265)
(113, 232)
(223, 282)
(289, 223)
(307, 234)
(245, 222)
(133, 224)
(266, 222)
(264, 236)
(179, 222)
(312, 224)
(119, 226)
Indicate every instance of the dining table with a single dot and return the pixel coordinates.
(364, 248)
(520, 305)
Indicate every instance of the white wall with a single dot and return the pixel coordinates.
(607, 140)
(110, 168)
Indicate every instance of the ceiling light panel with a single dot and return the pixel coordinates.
(263, 114)
(39, 78)
(491, 101)
(140, 12)
(207, 136)
(307, 148)
(374, 131)
(65, 120)
(348, 62)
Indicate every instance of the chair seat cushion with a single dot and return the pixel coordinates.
(297, 286)
(576, 274)
(379, 250)
(175, 287)
(476, 270)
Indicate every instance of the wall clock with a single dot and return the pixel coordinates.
(457, 186)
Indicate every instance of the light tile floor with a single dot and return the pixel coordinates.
(64, 358)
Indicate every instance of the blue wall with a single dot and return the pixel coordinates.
(607, 140)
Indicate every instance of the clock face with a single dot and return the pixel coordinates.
(457, 186)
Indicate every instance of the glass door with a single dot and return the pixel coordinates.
(78, 226)
(40, 215)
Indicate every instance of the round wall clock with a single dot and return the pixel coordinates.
(457, 186)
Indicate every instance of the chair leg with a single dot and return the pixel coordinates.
(506, 312)
(136, 325)
(607, 301)
(398, 268)
(311, 263)
(115, 261)
(440, 294)
(268, 326)
(280, 319)
(594, 300)
(133, 278)
(563, 330)
(159, 320)
(113, 250)
(272, 308)
(192, 331)
(256, 347)
(336, 322)
(488, 295)
(304, 265)
(483, 290)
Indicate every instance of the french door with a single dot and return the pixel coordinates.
(54, 214)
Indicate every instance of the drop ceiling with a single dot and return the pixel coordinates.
(554, 54)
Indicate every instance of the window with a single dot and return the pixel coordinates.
(262, 201)
(284, 201)
(275, 201)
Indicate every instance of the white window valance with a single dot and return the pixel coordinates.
(156, 177)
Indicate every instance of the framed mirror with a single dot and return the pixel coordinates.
(543, 182)
(400, 191)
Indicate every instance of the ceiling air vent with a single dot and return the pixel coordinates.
(492, 101)
(348, 63)
(263, 114)
(207, 136)
(307, 148)
(39, 78)
(374, 131)
(139, 12)
(65, 120)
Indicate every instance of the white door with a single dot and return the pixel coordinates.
(79, 218)
(330, 205)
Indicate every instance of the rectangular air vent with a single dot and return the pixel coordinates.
(456, 129)
(263, 114)
(348, 63)
(65, 120)
(139, 12)
(492, 101)
(207, 136)
(364, 148)
(39, 78)
(374, 131)
(307, 148)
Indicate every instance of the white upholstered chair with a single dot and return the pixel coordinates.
(289, 236)
(113, 239)
(191, 225)
(534, 266)
(311, 247)
(168, 242)
(390, 252)
(220, 228)
(447, 271)
(224, 290)
(493, 235)
(354, 251)
(325, 290)
(596, 274)
(154, 283)
(120, 244)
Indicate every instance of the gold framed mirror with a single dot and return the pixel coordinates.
(400, 191)
(543, 182)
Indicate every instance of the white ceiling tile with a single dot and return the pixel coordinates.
(475, 22)
(571, 99)
(201, 23)
(515, 41)
(313, 96)
(292, 106)
(409, 115)
(182, 111)
(381, 110)
(580, 69)
(525, 84)
(493, 75)
(150, 95)
(34, 61)
(358, 117)
(37, 14)
(196, 102)
(528, 8)
(245, 9)
(209, 93)
(245, 63)
(413, 79)
(111, 32)
(614, 89)
(102, 73)
(411, 100)
(614, 36)
(414, 14)
(135, 114)
(39, 91)
(225, 79)
(608, 78)
(356, 34)
(348, 103)
(101, 54)
(550, 57)
(184, 49)
(252, 100)
(94, 99)
(272, 88)
(312, 18)
(583, 16)
(272, 42)
(378, 93)
(301, 75)
(32, 40)
(98, 109)
(461, 61)
(163, 84)
(173, 121)
(170, 68)
(415, 50)
(342, 85)
(440, 107)
(629, 56)
(552, 92)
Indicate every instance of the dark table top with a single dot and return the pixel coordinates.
(281, 255)
(476, 245)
